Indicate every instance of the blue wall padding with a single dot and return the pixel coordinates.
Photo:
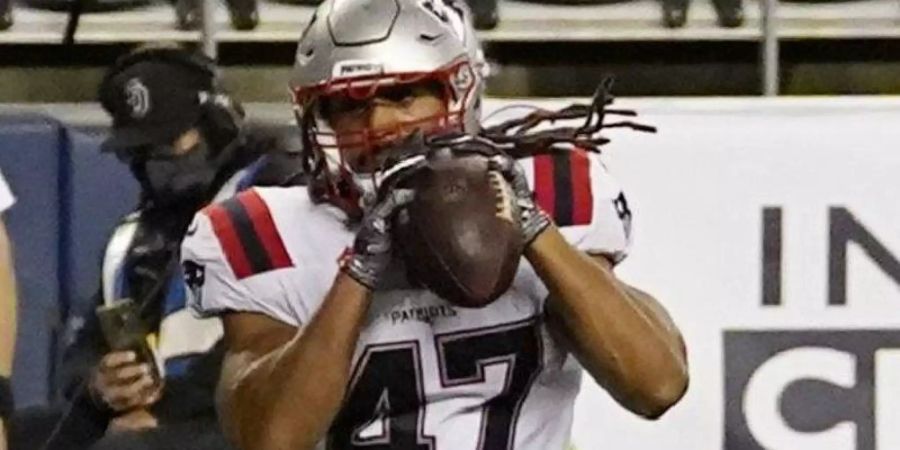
(31, 161)
(69, 198)
(103, 190)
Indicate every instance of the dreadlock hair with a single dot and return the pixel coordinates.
(516, 137)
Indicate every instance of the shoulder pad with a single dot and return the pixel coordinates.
(247, 234)
(563, 188)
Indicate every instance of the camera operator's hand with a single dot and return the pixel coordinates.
(123, 383)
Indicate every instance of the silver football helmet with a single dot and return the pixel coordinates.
(352, 48)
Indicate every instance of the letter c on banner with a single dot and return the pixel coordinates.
(763, 394)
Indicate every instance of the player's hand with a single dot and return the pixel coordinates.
(122, 383)
(138, 419)
(532, 219)
(371, 252)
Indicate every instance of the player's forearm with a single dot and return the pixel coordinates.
(8, 314)
(292, 397)
(624, 346)
(7, 304)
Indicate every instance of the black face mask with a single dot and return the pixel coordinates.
(185, 178)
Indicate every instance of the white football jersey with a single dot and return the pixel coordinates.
(426, 374)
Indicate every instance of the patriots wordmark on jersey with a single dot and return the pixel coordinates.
(426, 374)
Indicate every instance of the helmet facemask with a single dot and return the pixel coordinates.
(351, 164)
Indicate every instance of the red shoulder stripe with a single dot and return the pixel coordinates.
(582, 194)
(544, 187)
(265, 229)
(562, 187)
(226, 232)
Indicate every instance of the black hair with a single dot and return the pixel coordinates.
(519, 141)
(514, 136)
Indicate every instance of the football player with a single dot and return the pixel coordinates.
(327, 345)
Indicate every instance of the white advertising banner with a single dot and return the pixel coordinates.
(771, 231)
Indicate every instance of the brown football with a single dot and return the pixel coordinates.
(459, 237)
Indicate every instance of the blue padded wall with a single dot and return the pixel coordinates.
(32, 163)
(102, 191)
(69, 198)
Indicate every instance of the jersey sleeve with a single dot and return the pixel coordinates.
(585, 202)
(225, 272)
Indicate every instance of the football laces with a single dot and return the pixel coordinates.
(503, 195)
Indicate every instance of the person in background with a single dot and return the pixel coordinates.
(186, 143)
(7, 313)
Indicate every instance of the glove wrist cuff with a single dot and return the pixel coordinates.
(351, 265)
(534, 226)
